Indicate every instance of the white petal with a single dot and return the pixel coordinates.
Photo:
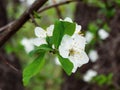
(89, 75)
(57, 61)
(64, 52)
(78, 28)
(89, 36)
(83, 58)
(79, 58)
(103, 34)
(79, 41)
(65, 46)
(39, 32)
(93, 55)
(28, 46)
(68, 19)
(74, 69)
(24, 41)
(50, 30)
(39, 41)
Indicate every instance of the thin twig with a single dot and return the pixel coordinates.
(57, 10)
(58, 4)
(33, 20)
(10, 29)
(9, 64)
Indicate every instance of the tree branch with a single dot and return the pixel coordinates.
(7, 31)
(55, 5)
(10, 29)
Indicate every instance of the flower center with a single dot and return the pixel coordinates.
(71, 52)
(80, 33)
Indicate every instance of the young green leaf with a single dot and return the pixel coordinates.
(58, 33)
(41, 48)
(66, 64)
(61, 28)
(32, 69)
(49, 41)
(69, 28)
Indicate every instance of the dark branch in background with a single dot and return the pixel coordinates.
(10, 29)
(58, 4)
(57, 10)
(13, 27)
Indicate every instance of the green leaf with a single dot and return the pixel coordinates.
(41, 48)
(69, 27)
(58, 33)
(36, 15)
(66, 64)
(61, 28)
(49, 41)
(32, 69)
(45, 47)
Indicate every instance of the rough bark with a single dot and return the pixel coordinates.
(10, 76)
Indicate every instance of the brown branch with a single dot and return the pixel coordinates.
(10, 29)
(55, 5)
(58, 11)
(7, 31)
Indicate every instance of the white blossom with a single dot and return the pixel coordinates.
(42, 34)
(39, 32)
(88, 36)
(93, 55)
(28, 45)
(89, 75)
(103, 34)
(73, 49)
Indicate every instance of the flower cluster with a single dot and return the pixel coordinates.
(71, 47)
(42, 34)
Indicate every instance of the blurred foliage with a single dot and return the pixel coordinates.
(103, 79)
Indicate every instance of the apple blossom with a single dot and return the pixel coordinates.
(42, 34)
(72, 47)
